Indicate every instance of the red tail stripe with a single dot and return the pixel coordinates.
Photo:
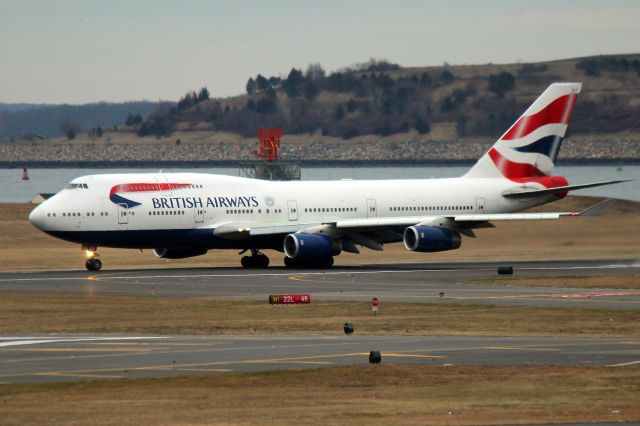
(557, 112)
(512, 170)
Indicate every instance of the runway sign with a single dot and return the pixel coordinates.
(289, 299)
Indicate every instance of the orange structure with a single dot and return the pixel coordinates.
(269, 143)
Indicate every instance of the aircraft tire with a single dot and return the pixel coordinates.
(93, 264)
(262, 261)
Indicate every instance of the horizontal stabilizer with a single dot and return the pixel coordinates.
(530, 192)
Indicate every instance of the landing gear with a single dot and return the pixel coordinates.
(323, 262)
(92, 263)
(257, 260)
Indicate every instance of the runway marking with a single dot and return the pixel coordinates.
(515, 348)
(624, 364)
(141, 350)
(86, 376)
(208, 370)
(597, 294)
(402, 355)
(36, 341)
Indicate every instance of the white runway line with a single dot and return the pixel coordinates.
(624, 364)
(37, 340)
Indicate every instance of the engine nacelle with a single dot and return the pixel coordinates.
(167, 253)
(310, 246)
(430, 238)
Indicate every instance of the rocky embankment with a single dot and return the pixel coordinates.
(578, 148)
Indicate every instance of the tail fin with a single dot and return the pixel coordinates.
(530, 147)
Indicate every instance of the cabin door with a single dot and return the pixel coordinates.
(371, 208)
(123, 214)
(292, 206)
(479, 205)
(198, 214)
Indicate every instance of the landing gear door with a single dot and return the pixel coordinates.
(123, 214)
(371, 208)
(198, 214)
(479, 205)
(292, 206)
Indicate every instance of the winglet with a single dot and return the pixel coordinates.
(596, 208)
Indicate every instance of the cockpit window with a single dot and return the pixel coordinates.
(76, 186)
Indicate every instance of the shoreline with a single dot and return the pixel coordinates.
(303, 163)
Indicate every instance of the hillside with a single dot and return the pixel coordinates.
(25, 120)
(380, 98)
(373, 112)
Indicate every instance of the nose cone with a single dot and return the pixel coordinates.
(37, 217)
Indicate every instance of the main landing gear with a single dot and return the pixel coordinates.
(92, 263)
(257, 260)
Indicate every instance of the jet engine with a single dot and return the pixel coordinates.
(167, 253)
(310, 246)
(430, 238)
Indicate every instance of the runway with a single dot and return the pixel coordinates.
(425, 282)
(64, 358)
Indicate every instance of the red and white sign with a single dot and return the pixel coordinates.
(374, 305)
(289, 299)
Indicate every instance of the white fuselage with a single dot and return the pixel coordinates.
(191, 201)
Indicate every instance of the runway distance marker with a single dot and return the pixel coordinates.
(374, 305)
(289, 299)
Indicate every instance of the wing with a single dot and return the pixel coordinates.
(374, 232)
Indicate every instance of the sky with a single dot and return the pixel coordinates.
(81, 51)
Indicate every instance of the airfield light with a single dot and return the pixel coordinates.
(348, 328)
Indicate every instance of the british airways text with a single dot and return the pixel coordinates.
(193, 202)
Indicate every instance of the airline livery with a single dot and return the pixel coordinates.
(180, 215)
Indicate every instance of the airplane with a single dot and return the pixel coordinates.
(180, 215)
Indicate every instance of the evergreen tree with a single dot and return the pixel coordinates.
(311, 91)
(251, 86)
(203, 95)
(261, 83)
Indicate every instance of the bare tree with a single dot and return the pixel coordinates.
(315, 72)
(69, 129)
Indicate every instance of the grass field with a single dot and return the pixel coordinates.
(23, 315)
(385, 394)
(362, 395)
(22, 246)
(626, 282)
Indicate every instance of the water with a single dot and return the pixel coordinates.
(14, 189)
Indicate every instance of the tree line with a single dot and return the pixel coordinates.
(376, 97)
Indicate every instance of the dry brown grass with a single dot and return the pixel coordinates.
(626, 282)
(24, 314)
(412, 395)
(602, 237)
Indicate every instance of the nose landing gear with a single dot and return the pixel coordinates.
(92, 263)
(257, 260)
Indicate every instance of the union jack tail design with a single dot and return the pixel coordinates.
(528, 150)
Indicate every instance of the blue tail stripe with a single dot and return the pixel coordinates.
(549, 146)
